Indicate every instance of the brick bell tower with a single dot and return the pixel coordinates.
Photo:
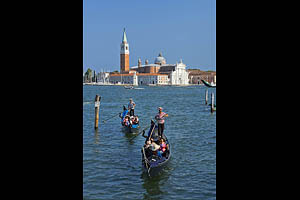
(124, 55)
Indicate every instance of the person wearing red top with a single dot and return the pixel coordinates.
(160, 117)
(162, 148)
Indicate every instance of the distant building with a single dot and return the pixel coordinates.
(124, 55)
(103, 77)
(196, 75)
(159, 73)
(140, 79)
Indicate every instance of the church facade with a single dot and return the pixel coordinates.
(158, 73)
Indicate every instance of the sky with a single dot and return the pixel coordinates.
(179, 29)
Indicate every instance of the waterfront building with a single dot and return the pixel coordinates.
(103, 77)
(139, 79)
(177, 73)
(159, 73)
(196, 75)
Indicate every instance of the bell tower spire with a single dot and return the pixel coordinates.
(124, 54)
(124, 39)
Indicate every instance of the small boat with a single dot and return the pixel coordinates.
(132, 128)
(129, 125)
(209, 84)
(129, 87)
(151, 163)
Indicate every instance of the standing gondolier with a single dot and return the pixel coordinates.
(160, 117)
(131, 106)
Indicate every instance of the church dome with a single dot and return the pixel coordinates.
(160, 60)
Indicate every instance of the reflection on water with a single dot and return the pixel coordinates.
(96, 136)
(153, 184)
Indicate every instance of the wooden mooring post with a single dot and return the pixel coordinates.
(212, 107)
(97, 107)
(206, 97)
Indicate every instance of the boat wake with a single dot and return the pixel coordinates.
(87, 102)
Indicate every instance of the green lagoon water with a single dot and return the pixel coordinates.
(112, 167)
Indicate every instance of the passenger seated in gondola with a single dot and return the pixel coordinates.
(135, 120)
(126, 121)
(162, 148)
(148, 144)
(131, 119)
(153, 146)
(148, 150)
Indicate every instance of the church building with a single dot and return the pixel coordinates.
(158, 73)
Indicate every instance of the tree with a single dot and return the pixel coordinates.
(115, 72)
(88, 72)
(88, 75)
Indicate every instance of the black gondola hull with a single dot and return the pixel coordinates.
(129, 129)
(154, 167)
(155, 170)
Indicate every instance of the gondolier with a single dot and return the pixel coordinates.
(160, 117)
(131, 106)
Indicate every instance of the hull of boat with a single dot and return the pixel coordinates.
(207, 84)
(155, 170)
(153, 167)
(133, 129)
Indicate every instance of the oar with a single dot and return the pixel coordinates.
(110, 118)
(140, 132)
(152, 130)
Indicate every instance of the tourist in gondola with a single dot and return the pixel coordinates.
(131, 106)
(135, 120)
(148, 150)
(160, 117)
(153, 146)
(126, 121)
(163, 147)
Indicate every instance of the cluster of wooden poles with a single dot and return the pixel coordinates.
(212, 105)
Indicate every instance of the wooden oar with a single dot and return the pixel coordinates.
(141, 132)
(152, 131)
(110, 118)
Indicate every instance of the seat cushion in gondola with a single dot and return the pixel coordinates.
(134, 125)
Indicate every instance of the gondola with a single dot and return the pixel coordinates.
(208, 85)
(130, 127)
(129, 87)
(151, 163)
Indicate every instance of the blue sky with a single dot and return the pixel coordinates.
(180, 29)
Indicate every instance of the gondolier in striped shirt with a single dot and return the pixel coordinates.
(131, 106)
(160, 117)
